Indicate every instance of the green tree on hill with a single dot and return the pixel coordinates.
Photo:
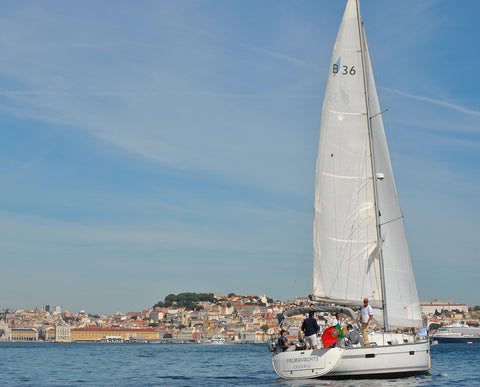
(185, 300)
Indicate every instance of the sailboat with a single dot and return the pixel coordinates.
(360, 246)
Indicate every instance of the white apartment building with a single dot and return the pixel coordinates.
(430, 307)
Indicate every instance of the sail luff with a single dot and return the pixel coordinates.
(366, 62)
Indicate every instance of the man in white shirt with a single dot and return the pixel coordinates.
(366, 316)
(336, 320)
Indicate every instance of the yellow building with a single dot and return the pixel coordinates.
(50, 334)
(112, 334)
(22, 334)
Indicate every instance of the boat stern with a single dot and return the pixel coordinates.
(306, 364)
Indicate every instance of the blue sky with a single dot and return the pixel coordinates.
(155, 147)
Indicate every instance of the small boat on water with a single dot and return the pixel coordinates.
(360, 246)
(217, 339)
(457, 333)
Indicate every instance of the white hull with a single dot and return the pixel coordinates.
(396, 359)
(306, 364)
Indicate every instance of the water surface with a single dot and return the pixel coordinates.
(62, 364)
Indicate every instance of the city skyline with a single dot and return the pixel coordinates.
(194, 302)
(156, 147)
(59, 310)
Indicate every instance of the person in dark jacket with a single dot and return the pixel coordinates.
(283, 341)
(310, 328)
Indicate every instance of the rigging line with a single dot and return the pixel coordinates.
(378, 114)
(368, 170)
(366, 66)
(359, 21)
(335, 216)
(392, 220)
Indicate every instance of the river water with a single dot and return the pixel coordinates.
(62, 364)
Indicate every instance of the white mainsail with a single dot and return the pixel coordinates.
(348, 202)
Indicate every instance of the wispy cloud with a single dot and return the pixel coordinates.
(262, 50)
(188, 127)
(287, 58)
(435, 101)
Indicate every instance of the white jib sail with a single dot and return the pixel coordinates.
(346, 247)
(401, 294)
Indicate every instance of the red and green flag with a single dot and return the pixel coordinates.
(332, 335)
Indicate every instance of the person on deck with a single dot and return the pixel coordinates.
(336, 320)
(366, 314)
(310, 329)
(300, 341)
(283, 341)
(352, 336)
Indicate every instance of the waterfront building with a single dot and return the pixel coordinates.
(238, 319)
(49, 334)
(184, 335)
(92, 334)
(200, 336)
(62, 333)
(436, 306)
(22, 334)
(3, 330)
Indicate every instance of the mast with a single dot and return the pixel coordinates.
(361, 32)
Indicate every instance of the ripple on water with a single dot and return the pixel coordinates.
(182, 365)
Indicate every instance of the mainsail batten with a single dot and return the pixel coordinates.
(346, 177)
